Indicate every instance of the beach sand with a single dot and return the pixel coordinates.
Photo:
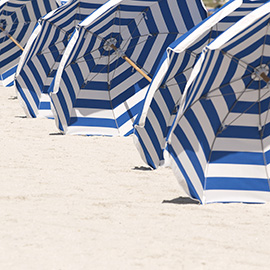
(77, 202)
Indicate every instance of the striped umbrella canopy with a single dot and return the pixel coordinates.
(219, 144)
(43, 52)
(110, 60)
(17, 21)
(169, 82)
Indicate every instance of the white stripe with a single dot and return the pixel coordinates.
(237, 145)
(92, 113)
(75, 130)
(236, 170)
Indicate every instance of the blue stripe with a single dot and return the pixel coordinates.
(242, 132)
(249, 184)
(92, 122)
(229, 157)
(45, 105)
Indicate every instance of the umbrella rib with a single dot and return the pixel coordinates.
(173, 84)
(238, 61)
(263, 48)
(233, 105)
(76, 61)
(180, 73)
(215, 89)
(151, 35)
(228, 94)
(257, 101)
(226, 84)
(45, 51)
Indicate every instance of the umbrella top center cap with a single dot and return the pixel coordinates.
(260, 72)
(108, 43)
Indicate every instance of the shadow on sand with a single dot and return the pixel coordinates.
(142, 168)
(56, 134)
(181, 200)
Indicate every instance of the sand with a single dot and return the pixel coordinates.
(77, 202)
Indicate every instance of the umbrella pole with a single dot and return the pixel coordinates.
(265, 77)
(133, 65)
(11, 38)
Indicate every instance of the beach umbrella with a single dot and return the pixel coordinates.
(110, 59)
(17, 21)
(161, 102)
(43, 53)
(219, 143)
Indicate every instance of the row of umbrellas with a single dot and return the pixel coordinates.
(97, 67)
(193, 90)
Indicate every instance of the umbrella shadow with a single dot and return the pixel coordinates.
(142, 168)
(13, 98)
(182, 200)
(56, 134)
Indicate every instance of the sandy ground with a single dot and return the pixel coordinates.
(75, 202)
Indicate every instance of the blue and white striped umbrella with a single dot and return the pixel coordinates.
(17, 21)
(219, 144)
(96, 91)
(43, 53)
(165, 91)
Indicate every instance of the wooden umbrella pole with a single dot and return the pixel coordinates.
(133, 65)
(11, 38)
(265, 77)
